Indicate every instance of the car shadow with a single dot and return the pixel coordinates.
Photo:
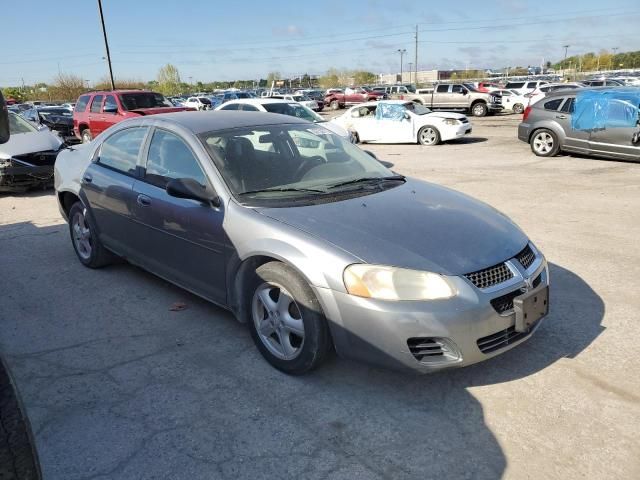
(380, 423)
(467, 140)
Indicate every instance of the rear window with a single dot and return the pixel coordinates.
(81, 106)
(553, 104)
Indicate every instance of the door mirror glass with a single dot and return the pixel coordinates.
(406, 116)
(4, 121)
(191, 189)
(110, 109)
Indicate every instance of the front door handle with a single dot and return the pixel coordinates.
(561, 116)
(88, 178)
(143, 200)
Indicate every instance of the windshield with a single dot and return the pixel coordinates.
(19, 125)
(59, 112)
(293, 110)
(133, 101)
(278, 162)
(417, 108)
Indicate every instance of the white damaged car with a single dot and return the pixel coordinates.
(400, 121)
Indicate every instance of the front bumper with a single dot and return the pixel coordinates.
(378, 332)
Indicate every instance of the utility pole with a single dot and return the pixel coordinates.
(566, 48)
(410, 70)
(415, 64)
(401, 51)
(106, 45)
(615, 50)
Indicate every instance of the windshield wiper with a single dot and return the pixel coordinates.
(282, 189)
(367, 180)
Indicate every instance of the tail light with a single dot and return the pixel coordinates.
(526, 113)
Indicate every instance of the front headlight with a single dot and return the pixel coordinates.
(391, 283)
(451, 121)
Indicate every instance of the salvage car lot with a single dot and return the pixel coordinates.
(122, 381)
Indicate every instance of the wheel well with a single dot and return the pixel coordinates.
(475, 102)
(241, 276)
(67, 199)
(415, 100)
(82, 127)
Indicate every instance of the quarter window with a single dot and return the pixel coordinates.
(81, 105)
(553, 104)
(95, 105)
(170, 157)
(567, 107)
(120, 151)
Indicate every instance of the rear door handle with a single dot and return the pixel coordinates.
(143, 200)
(561, 116)
(88, 178)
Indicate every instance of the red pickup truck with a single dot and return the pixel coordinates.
(96, 111)
(352, 96)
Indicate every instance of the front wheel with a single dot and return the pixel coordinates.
(84, 238)
(86, 135)
(287, 323)
(429, 136)
(544, 143)
(479, 110)
(335, 105)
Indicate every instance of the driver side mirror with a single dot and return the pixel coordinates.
(406, 115)
(189, 188)
(4, 121)
(110, 109)
(463, 92)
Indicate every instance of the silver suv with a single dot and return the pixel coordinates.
(546, 126)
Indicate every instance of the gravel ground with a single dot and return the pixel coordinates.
(117, 386)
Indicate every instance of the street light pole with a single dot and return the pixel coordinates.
(410, 64)
(615, 50)
(401, 51)
(106, 45)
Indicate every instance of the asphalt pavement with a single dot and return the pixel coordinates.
(118, 385)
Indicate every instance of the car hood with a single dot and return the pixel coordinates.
(23, 143)
(417, 225)
(335, 128)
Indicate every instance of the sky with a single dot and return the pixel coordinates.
(247, 39)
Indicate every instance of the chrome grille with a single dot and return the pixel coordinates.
(504, 303)
(526, 257)
(490, 276)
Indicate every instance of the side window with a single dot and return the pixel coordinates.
(515, 85)
(96, 104)
(120, 151)
(110, 105)
(506, 93)
(170, 157)
(442, 88)
(532, 85)
(231, 106)
(567, 107)
(457, 89)
(81, 105)
(249, 108)
(553, 104)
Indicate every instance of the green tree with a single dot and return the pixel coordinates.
(330, 79)
(169, 80)
(273, 77)
(14, 92)
(362, 77)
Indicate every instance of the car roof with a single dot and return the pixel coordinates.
(575, 91)
(260, 101)
(207, 121)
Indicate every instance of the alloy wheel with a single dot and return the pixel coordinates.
(543, 143)
(428, 136)
(278, 321)
(81, 235)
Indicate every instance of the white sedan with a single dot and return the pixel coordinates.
(512, 100)
(399, 121)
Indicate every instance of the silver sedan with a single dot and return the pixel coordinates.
(305, 237)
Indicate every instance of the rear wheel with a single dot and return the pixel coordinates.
(544, 143)
(287, 323)
(429, 136)
(479, 109)
(86, 135)
(84, 238)
(518, 108)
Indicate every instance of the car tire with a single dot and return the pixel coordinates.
(428, 136)
(479, 109)
(335, 105)
(544, 143)
(518, 108)
(84, 238)
(86, 135)
(286, 320)
(356, 137)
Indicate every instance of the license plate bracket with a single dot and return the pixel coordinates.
(530, 307)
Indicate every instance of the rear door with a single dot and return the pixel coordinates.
(95, 110)
(105, 119)
(575, 140)
(616, 138)
(181, 239)
(107, 184)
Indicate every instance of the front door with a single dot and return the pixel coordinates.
(184, 240)
(616, 138)
(107, 115)
(107, 184)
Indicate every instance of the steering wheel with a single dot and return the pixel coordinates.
(307, 165)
